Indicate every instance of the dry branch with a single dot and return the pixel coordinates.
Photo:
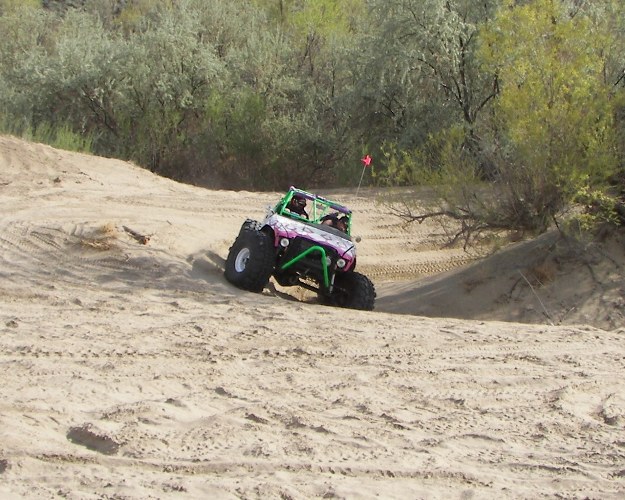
(141, 238)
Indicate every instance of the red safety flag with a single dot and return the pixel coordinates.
(366, 160)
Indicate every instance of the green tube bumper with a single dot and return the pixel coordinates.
(324, 265)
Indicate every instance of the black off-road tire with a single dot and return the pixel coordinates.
(251, 224)
(352, 290)
(250, 260)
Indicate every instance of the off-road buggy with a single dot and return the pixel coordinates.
(301, 249)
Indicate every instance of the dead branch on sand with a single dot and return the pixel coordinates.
(141, 238)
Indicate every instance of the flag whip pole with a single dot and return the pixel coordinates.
(366, 161)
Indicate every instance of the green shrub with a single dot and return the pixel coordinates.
(59, 136)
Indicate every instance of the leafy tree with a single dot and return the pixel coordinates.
(325, 38)
(9, 6)
(85, 75)
(132, 16)
(169, 72)
(28, 37)
(611, 14)
(421, 74)
(554, 107)
(277, 10)
(549, 135)
(317, 26)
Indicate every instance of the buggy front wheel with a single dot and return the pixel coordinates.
(250, 260)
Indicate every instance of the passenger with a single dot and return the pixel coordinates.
(335, 221)
(341, 224)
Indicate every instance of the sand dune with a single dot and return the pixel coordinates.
(132, 369)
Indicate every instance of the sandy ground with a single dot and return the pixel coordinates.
(133, 370)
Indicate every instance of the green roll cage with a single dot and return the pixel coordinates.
(319, 208)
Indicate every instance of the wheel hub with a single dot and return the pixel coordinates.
(240, 263)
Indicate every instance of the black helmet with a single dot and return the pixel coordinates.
(299, 199)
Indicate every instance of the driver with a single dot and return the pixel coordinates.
(298, 205)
